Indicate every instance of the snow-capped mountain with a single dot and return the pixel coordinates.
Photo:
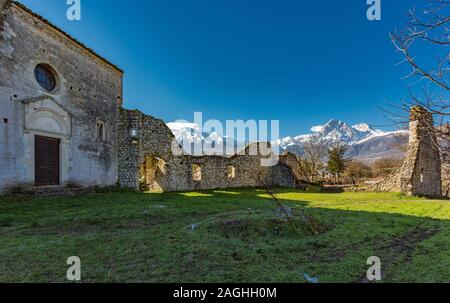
(191, 137)
(334, 131)
(364, 142)
(183, 130)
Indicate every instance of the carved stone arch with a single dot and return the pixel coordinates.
(44, 115)
(48, 121)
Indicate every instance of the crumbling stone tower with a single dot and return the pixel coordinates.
(420, 174)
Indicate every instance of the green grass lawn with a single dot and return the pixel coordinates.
(240, 236)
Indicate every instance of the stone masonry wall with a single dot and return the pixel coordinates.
(88, 88)
(446, 180)
(153, 140)
(2, 4)
(420, 173)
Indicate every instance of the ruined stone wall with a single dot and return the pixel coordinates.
(153, 139)
(420, 173)
(391, 183)
(292, 162)
(88, 89)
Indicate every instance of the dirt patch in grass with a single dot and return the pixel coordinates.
(406, 244)
(400, 250)
(332, 256)
(262, 226)
(237, 227)
(313, 226)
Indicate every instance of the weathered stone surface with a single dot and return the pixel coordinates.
(146, 161)
(446, 180)
(421, 173)
(2, 4)
(88, 90)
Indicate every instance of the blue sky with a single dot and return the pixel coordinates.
(300, 62)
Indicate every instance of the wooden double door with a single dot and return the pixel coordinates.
(47, 161)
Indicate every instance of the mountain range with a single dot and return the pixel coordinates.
(363, 142)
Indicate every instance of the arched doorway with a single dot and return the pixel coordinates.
(47, 142)
(149, 171)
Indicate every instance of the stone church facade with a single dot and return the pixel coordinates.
(59, 104)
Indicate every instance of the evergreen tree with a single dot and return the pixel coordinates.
(336, 161)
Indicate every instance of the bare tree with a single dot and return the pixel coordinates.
(356, 170)
(428, 31)
(314, 154)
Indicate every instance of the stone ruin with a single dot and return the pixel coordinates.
(147, 162)
(422, 172)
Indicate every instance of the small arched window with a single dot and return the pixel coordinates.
(101, 135)
(45, 77)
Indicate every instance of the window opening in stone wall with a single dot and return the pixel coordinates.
(196, 172)
(45, 77)
(101, 135)
(231, 172)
